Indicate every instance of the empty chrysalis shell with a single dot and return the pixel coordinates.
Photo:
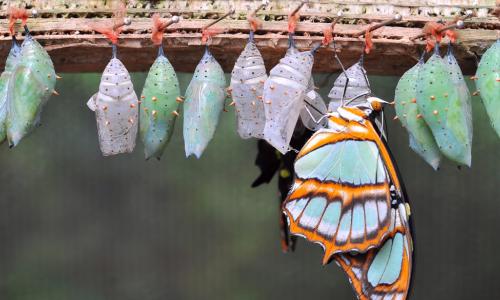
(31, 85)
(284, 93)
(314, 110)
(159, 105)
(488, 83)
(116, 109)
(439, 103)
(350, 92)
(10, 64)
(204, 103)
(421, 138)
(247, 85)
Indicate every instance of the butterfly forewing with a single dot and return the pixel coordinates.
(342, 193)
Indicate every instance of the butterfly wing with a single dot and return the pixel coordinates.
(351, 87)
(421, 138)
(10, 64)
(342, 193)
(439, 102)
(204, 103)
(159, 101)
(247, 85)
(32, 83)
(383, 273)
(284, 93)
(116, 109)
(488, 83)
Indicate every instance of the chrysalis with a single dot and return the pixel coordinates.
(350, 88)
(440, 104)
(160, 101)
(421, 139)
(314, 111)
(32, 83)
(247, 85)
(116, 109)
(488, 83)
(10, 64)
(204, 103)
(284, 93)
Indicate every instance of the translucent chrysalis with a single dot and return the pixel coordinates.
(31, 85)
(350, 88)
(247, 85)
(421, 138)
(116, 109)
(5, 78)
(204, 103)
(160, 101)
(488, 83)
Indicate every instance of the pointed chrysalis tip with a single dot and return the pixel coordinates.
(55, 93)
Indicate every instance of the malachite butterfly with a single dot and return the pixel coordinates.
(31, 84)
(204, 103)
(247, 85)
(420, 136)
(160, 102)
(284, 93)
(442, 105)
(488, 83)
(348, 198)
(116, 109)
(5, 78)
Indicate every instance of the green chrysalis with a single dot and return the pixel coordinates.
(488, 83)
(440, 103)
(32, 83)
(11, 62)
(160, 101)
(421, 139)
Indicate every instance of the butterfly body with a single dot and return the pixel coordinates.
(421, 138)
(116, 109)
(247, 85)
(204, 103)
(488, 83)
(159, 106)
(30, 87)
(284, 93)
(5, 78)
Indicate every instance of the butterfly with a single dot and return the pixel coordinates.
(347, 197)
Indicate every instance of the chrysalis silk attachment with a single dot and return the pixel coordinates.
(204, 103)
(284, 93)
(350, 88)
(116, 109)
(159, 105)
(421, 139)
(5, 78)
(247, 85)
(30, 87)
(313, 113)
(441, 104)
(488, 83)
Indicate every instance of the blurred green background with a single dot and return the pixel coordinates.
(75, 225)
